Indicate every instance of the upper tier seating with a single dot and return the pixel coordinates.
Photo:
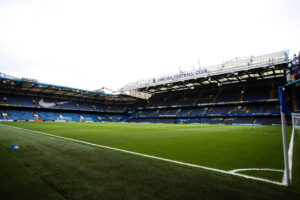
(259, 90)
(256, 91)
(45, 103)
(208, 96)
(230, 94)
(85, 106)
(14, 99)
(51, 103)
(117, 108)
(67, 105)
(189, 98)
(101, 107)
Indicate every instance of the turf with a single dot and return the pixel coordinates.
(79, 171)
(219, 146)
(19, 181)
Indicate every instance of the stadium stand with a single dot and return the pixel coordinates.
(250, 99)
(19, 115)
(243, 101)
(228, 94)
(36, 106)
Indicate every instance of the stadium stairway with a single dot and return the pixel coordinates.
(77, 105)
(242, 93)
(36, 116)
(204, 111)
(4, 115)
(124, 119)
(182, 98)
(4, 99)
(33, 101)
(108, 108)
(272, 91)
(218, 94)
(57, 104)
(198, 97)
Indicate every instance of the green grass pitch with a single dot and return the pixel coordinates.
(216, 146)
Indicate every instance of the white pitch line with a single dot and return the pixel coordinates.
(290, 157)
(256, 169)
(154, 157)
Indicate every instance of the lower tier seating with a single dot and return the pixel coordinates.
(27, 115)
(213, 120)
(19, 115)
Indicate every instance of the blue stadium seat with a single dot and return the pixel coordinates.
(19, 115)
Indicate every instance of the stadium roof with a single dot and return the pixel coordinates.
(24, 86)
(238, 70)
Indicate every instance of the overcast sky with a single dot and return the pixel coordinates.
(91, 44)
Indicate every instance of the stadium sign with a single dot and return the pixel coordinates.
(29, 79)
(180, 76)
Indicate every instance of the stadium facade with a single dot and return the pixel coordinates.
(241, 91)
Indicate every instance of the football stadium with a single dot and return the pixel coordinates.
(149, 100)
(228, 131)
